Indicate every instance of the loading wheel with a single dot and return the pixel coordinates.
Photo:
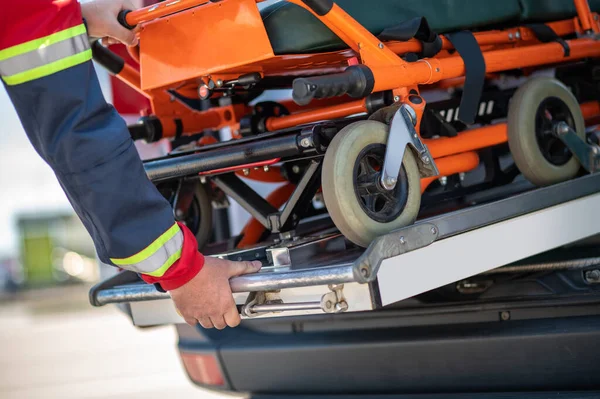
(534, 110)
(357, 203)
(197, 214)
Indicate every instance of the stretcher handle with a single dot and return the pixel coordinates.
(122, 18)
(356, 81)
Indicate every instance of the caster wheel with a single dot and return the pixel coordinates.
(357, 203)
(198, 215)
(536, 106)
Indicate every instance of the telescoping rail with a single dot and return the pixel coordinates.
(317, 275)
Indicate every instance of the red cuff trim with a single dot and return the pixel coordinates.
(185, 269)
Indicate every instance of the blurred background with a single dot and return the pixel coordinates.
(54, 344)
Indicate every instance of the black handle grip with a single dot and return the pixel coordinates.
(122, 18)
(357, 81)
(109, 60)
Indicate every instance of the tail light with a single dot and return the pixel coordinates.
(203, 369)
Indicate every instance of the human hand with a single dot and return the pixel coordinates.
(101, 19)
(207, 298)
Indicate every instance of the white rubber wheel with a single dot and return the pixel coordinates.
(350, 170)
(542, 158)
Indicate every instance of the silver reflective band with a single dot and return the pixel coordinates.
(44, 55)
(158, 259)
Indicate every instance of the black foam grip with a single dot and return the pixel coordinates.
(109, 60)
(356, 81)
(122, 18)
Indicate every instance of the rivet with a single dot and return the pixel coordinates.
(396, 98)
(433, 230)
(380, 45)
(402, 241)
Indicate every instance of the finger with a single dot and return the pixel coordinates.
(239, 268)
(122, 34)
(190, 321)
(218, 322)
(205, 322)
(232, 317)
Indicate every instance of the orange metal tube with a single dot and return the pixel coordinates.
(452, 165)
(584, 14)
(327, 113)
(470, 140)
(590, 110)
(433, 70)
(487, 38)
(253, 229)
(160, 10)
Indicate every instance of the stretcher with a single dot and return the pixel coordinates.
(423, 143)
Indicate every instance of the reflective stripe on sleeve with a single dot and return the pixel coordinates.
(45, 56)
(158, 257)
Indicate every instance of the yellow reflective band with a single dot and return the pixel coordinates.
(163, 269)
(42, 42)
(48, 69)
(150, 249)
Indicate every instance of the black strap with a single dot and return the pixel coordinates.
(469, 50)
(178, 128)
(419, 29)
(545, 34)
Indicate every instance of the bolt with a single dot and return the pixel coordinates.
(172, 98)
(203, 179)
(461, 176)
(257, 255)
(328, 304)
(396, 99)
(518, 35)
(179, 213)
(266, 168)
(425, 159)
(380, 45)
(296, 169)
(246, 172)
(433, 230)
(505, 315)
(443, 180)
(287, 235)
(595, 150)
(437, 69)
(402, 241)
(391, 180)
(592, 276)
(341, 306)
(239, 258)
(562, 128)
(305, 142)
(510, 36)
(365, 272)
(219, 83)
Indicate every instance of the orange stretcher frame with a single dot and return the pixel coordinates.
(209, 49)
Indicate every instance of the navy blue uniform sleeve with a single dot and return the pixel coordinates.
(88, 146)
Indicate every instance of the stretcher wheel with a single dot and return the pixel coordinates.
(542, 158)
(357, 203)
(198, 217)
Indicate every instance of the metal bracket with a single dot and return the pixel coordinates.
(269, 302)
(588, 155)
(334, 301)
(402, 135)
(390, 245)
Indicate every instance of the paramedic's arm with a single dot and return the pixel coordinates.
(46, 68)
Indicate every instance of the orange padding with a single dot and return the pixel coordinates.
(452, 165)
(253, 229)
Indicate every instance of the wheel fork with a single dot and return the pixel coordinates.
(402, 135)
